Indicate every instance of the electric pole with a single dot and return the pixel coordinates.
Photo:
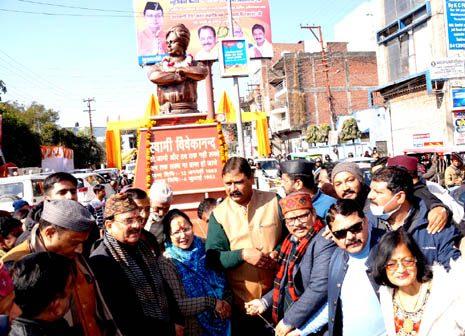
(89, 110)
(324, 63)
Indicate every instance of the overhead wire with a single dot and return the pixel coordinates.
(76, 7)
(35, 75)
(67, 14)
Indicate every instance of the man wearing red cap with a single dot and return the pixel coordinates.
(300, 286)
(438, 214)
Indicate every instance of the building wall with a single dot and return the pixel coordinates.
(351, 75)
(416, 111)
(427, 43)
(267, 91)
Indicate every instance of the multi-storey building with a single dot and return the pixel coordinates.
(303, 96)
(420, 67)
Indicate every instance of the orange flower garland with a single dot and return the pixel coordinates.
(148, 154)
(223, 147)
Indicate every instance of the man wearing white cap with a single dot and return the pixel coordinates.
(161, 197)
(63, 228)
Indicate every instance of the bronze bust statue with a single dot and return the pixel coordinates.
(177, 75)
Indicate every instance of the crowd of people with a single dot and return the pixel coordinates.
(334, 256)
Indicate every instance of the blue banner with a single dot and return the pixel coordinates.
(458, 99)
(455, 14)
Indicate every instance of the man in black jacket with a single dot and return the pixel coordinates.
(43, 285)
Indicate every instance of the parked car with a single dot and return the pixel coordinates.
(80, 171)
(27, 187)
(86, 184)
(109, 174)
(269, 167)
(130, 170)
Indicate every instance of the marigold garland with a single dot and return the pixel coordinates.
(223, 148)
(148, 154)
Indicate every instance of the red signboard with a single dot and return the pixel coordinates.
(187, 157)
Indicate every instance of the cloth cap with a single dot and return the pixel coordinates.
(160, 192)
(301, 167)
(18, 204)
(118, 204)
(296, 201)
(349, 167)
(408, 162)
(68, 214)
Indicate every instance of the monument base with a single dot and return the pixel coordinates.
(188, 153)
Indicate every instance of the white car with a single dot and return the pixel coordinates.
(27, 187)
(86, 184)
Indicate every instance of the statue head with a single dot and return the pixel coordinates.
(177, 40)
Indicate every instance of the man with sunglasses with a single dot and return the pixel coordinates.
(353, 299)
(300, 285)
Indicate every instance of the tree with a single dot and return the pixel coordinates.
(350, 130)
(313, 134)
(37, 116)
(2, 89)
(20, 144)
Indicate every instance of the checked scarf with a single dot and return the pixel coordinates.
(149, 290)
(292, 259)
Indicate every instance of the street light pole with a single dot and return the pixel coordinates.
(240, 131)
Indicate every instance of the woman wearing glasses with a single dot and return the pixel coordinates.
(199, 292)
(414, 300)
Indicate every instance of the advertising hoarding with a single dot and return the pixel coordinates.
(455, 24)
(459, 128)
(208, 23)
(233, 60)
(447, 68)
(458, 99)
(57, 158)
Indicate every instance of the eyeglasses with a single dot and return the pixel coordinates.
(302, 219)
(177, 234)
(393, 265)
(354, 229)
(131, 221)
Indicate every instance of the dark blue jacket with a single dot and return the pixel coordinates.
(337, 272)
(438, 247)
(310, 278)
(322, 202)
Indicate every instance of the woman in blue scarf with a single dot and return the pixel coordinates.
(199, 284)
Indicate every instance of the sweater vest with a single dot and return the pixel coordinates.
(258, 226)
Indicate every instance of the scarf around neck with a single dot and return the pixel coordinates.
(286, 257)
(146, 283)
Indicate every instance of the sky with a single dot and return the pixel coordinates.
(64, 55)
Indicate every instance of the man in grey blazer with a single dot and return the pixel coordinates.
(300, 286)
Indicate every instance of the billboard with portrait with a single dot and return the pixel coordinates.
(208, 22)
